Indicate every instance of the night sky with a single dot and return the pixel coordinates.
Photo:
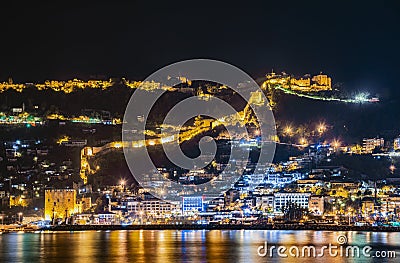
(356, 42)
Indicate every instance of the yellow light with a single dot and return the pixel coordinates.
(152, 143)
(321, 128)
(336, 143)
(167, 139)
(63, 139)
(89, 152)
(117, 145)
(288, 130)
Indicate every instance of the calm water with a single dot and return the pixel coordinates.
(182, 246)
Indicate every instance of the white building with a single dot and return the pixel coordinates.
(278, 179)
(265, 202)
(255, 179)
(316, 204)
(151, 206)
(368, 145)
(281, 199)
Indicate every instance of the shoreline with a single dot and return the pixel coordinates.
(223, 227)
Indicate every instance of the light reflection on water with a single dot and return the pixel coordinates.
(181, 246)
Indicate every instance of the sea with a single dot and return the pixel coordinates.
(200, 246)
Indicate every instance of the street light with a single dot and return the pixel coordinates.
(350, 214)
(336, 144)
(303, 141)
(19, 217)
(141, 217)
(321, 128)
(122, 183)
(288, 130)
(54, 216)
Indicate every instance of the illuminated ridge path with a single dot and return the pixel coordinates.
(89, 151)
(358, 99)
(243, 117)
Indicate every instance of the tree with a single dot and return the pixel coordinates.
(293, 212)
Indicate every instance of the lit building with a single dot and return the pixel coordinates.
(344, 184)
(281, 199)
(321, 82)
(230, 197)
(369, 145)
(390, 204)
(317, 83)
(368, 205)
(255, 179)
(83, 204)
(278, 179)
(19, 200)
(192, 204)
(316, 204)
(302, 84)
(396, 144)
(59, 203)
(152, 206)
(273, 78)
(106, 218)
(265, 202)
(256, 98)
(309, 184)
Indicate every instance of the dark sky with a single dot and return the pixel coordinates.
(356, 42)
